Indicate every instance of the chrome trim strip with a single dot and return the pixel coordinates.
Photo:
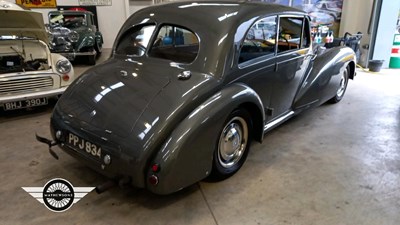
(278, 121)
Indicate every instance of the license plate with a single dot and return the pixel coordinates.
(25, 104)
(81, 144)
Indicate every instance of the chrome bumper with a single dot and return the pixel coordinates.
(72, 55)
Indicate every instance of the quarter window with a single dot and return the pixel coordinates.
(260, 40)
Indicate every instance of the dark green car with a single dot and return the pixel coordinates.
(74, 33)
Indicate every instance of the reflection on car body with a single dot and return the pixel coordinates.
(183, 94)
(320, 18)
(329, 7)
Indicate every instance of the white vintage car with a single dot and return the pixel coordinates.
(29, 73)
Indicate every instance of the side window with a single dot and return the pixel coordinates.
(176, 44)
(290, 33)
(134, 42)
(259, 40)
(91, 20)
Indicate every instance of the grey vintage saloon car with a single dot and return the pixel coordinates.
(184, 94)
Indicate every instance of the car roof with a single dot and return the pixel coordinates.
(215, 22)
(213, 12)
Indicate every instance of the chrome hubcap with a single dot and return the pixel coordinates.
(232, 142)
(342, 86)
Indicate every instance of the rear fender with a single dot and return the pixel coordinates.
(187, 154)
(321, 83)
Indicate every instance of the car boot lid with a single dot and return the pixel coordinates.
(112, 96)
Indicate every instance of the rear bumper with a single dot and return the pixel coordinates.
(122, 164)
(30, 95)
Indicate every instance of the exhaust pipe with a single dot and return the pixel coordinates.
(123, 182)
(105, 186)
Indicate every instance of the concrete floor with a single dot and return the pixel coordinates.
(337, 164)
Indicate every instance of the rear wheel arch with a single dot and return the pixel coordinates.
(345, 76)
(233, 145)
(352, 69)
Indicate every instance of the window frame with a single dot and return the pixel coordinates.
(276, 53)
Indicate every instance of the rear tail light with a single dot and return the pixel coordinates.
(155, 168)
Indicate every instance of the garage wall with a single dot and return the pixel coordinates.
(355, 17)
(388, 11)
(137, 5)
(110, 18)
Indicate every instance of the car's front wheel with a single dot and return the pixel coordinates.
(233, 145)
(344, 80)
(98, 48)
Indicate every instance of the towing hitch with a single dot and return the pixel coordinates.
(50, 143)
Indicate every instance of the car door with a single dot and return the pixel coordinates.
(292, 63)
(256, 58)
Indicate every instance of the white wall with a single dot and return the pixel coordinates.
(355, 17)
(137, 5)
(110, 18)
(385, 32)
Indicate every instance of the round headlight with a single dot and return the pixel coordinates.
(63, 66)
(73, 36)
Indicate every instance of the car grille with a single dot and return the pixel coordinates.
(25, 84)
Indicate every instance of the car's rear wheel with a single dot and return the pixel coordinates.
(233, 145)
(344, 80)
